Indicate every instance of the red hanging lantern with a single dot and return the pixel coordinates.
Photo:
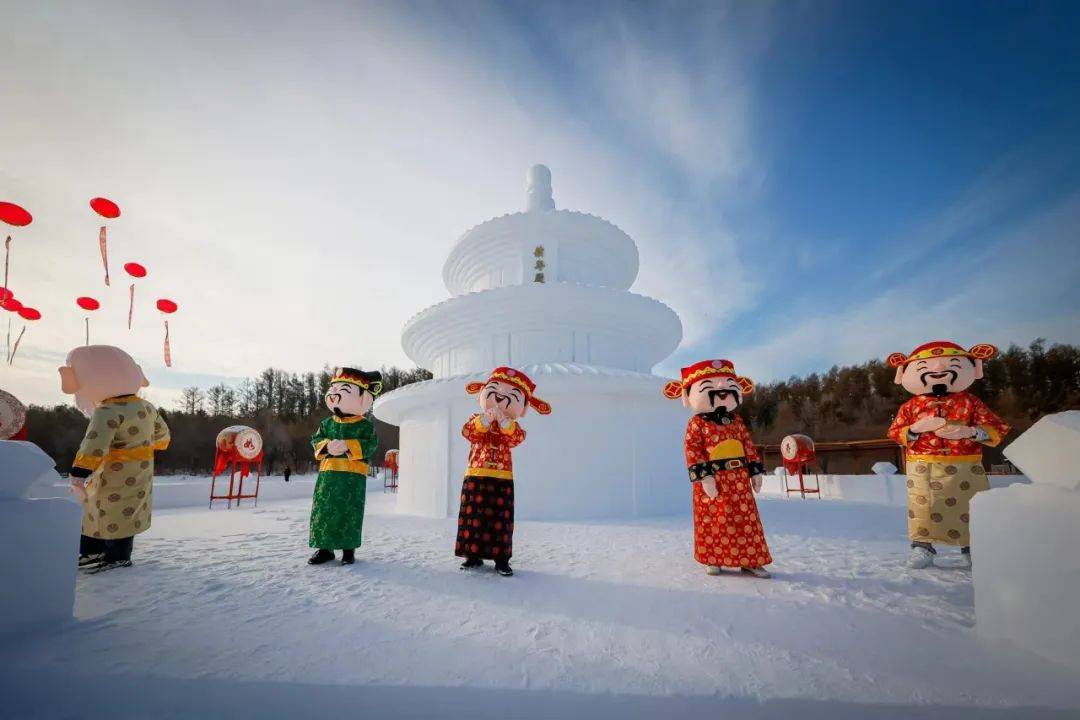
(110, 211)
(135, 270)
(88, 304)
(168, 307)
(11, 304)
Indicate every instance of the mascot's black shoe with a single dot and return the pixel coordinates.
(471, 563)
(348, 557)
(107, 565)
(320, 557)
(88, 560)
(504, 569)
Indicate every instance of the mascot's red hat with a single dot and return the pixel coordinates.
(514, 377)
(942, 348)
(706, 369)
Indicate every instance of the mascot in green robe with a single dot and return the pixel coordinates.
(344, 444)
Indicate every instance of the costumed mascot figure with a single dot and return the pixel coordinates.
(943, 430)
(344, 443)
(486, 517)
(113, 470)
(725, 469)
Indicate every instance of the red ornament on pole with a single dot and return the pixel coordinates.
(109, 210)
(88, 304)
(11, 214)
(135, 270)
(168, 307)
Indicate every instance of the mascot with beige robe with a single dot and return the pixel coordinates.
(113, 470)
(943, 430)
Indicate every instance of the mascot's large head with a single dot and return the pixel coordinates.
(508, 391)
(352, 392)
(710, 385)
(940, 367)
(95, 373)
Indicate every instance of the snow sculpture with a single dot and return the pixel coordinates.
(37, 587)
(580, 334)
(1024, 537)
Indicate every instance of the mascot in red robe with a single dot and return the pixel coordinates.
(486, 517)
(725, 469)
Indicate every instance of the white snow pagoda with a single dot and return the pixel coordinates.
(546, 291)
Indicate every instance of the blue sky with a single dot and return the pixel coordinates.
(808, 183)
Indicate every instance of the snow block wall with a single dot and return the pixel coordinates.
(41, 541)
(1024, 545)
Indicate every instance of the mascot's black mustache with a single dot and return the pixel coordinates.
(951, 373)
(719, 395)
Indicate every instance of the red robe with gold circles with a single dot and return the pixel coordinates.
(727, 529)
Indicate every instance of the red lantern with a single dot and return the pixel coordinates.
(29, 313)
(88, 304)
(135, 270)
(5, 294)
(107, 209)
(11, 304)
(12, 214)
(168, 307)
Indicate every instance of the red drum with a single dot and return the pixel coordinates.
(240, 440)
(797, 449)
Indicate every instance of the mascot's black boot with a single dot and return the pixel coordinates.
(471, 563)
(320, 557)
(503, 568)
(348, 557)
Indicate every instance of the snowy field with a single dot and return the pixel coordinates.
(221, 617)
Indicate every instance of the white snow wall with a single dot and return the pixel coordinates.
(1024, 542)
(40, 538)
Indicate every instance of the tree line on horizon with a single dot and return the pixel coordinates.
(853, 402)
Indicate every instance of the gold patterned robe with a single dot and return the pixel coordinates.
(118, 449)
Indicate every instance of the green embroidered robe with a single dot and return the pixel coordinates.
(337, 508)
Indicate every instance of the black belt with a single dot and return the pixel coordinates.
(700, 471)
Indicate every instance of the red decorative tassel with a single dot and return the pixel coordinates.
(168, 349)
(104, 253)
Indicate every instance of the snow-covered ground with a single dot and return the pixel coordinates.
(222, 617)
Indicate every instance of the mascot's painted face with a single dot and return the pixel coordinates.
(345, 399)
(94, 373)
(940, 375)
(713, 393)
(499, 395)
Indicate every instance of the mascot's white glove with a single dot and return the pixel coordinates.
(956, 432)
(337, 447)
(757, 481)
(927, 424)
(709, 486)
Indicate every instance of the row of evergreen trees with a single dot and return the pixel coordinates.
(846, 403)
